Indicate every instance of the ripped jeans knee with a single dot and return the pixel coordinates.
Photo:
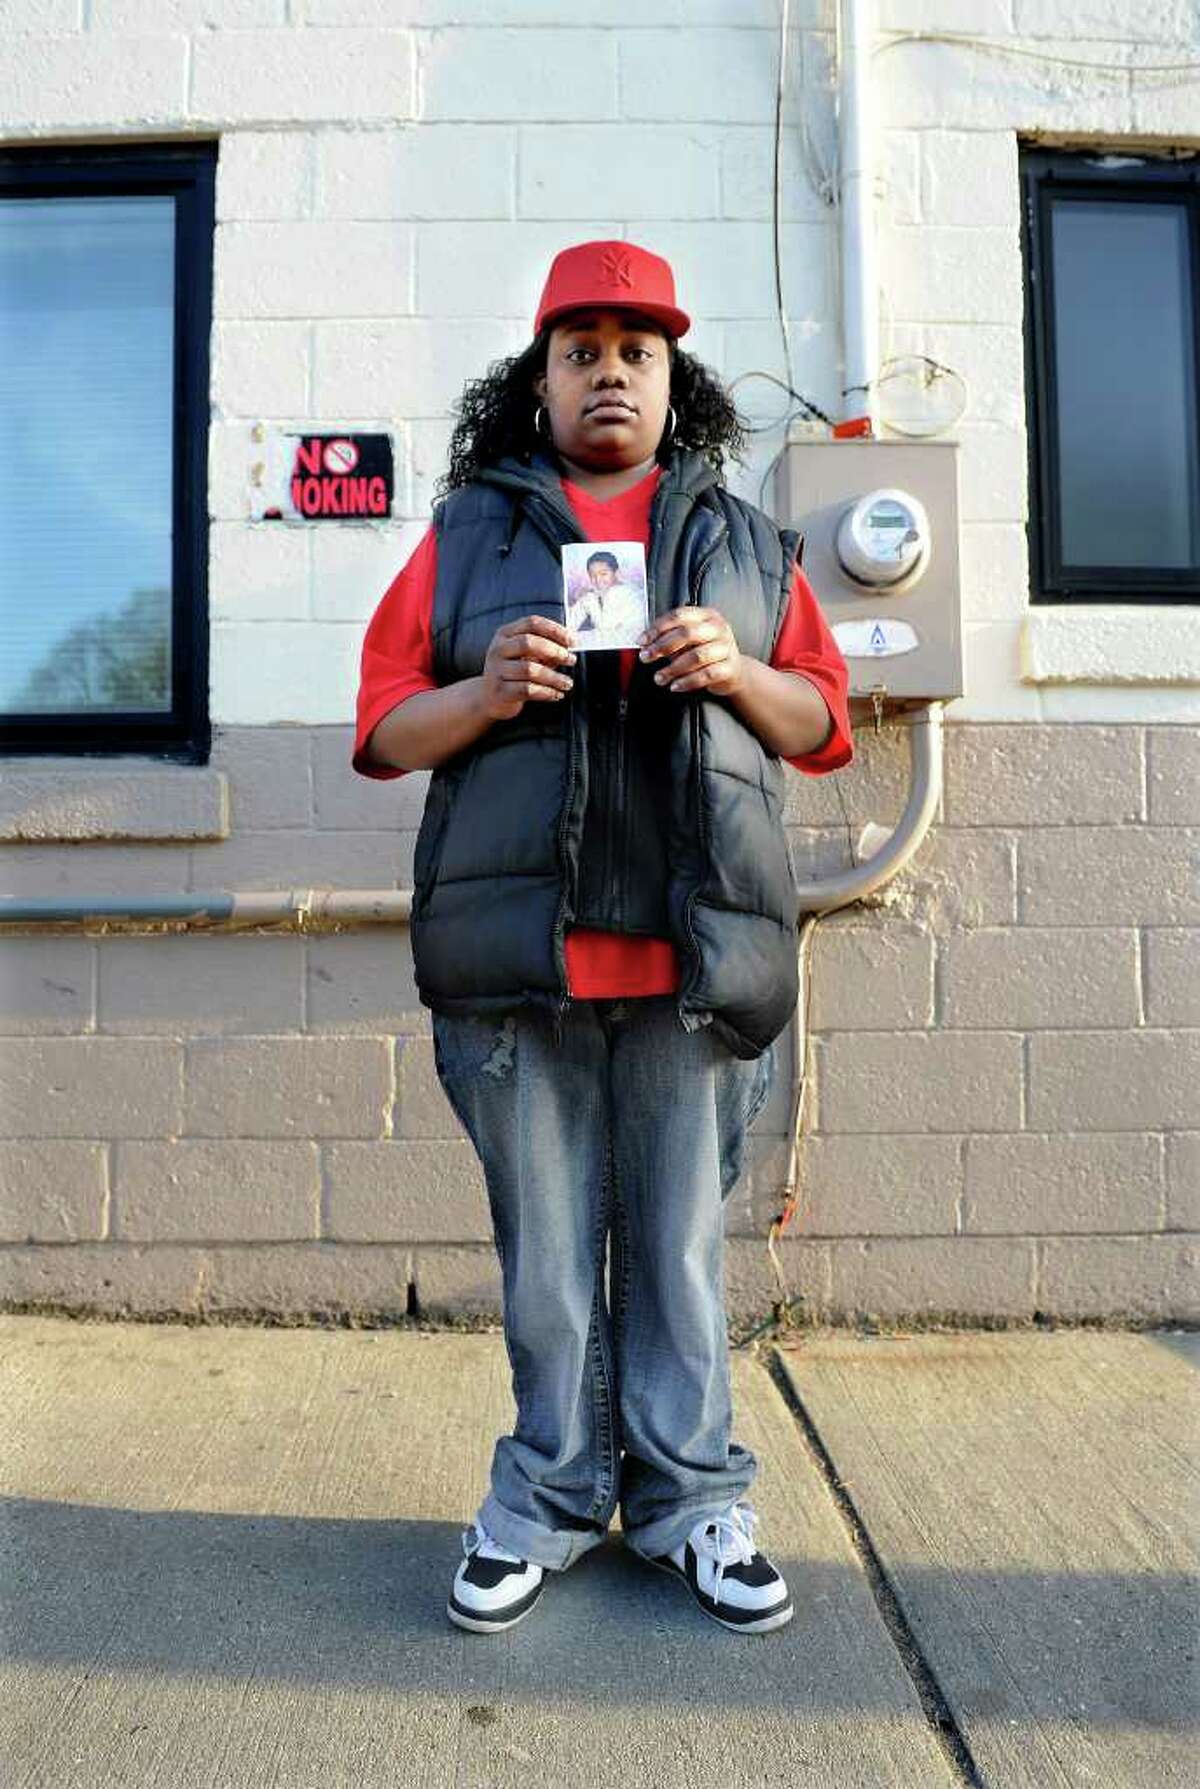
(470, 1054)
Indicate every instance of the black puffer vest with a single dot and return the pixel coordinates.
(654, 813)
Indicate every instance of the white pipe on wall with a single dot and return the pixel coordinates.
(856, 192)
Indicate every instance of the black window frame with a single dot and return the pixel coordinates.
(1054, 172)
(186, 171)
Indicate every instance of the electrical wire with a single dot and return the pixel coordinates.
(823, 178)
(822, 174)
(782, 1318)
(773, 379)
(825, 182)
(1006, 49)
(803, 407)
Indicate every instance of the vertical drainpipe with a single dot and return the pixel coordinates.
(856, 166)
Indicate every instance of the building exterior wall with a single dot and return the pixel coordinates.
(1004, 1098)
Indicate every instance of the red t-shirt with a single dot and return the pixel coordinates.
(397, 662)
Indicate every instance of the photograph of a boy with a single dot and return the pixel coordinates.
(605, 594)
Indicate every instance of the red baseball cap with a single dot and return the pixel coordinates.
(615, 276)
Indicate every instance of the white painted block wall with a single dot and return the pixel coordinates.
(394, 176)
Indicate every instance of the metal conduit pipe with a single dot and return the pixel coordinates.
(302, 909)
(924, 727)
(297, 909)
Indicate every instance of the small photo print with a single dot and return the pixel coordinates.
(604, 590)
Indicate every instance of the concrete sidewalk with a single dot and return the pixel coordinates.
(226, 1556)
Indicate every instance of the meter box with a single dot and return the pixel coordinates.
(880, 527)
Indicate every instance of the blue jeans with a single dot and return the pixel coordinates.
(633, 1125)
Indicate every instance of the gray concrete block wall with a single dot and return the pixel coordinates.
(1005, 1056)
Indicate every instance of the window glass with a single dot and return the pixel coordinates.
(1125, 368)
(86, 405)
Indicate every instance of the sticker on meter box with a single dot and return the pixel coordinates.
(884, 637)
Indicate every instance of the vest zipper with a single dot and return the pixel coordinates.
(622, 812)
(558, 935)
(689, 1019)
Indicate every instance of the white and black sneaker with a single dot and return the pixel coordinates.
(731, 1581)
(494, 1588)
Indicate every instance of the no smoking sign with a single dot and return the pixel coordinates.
(319, 478)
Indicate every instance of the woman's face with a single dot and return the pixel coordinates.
(606, 388)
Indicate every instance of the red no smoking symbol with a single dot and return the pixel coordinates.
(340, 456)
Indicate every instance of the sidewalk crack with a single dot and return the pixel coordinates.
(937, 1710)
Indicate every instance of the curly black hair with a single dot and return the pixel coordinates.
(495, 415)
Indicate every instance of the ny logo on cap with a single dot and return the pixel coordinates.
(615, 269)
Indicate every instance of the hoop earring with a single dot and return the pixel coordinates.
(537, 423)
(671, 414)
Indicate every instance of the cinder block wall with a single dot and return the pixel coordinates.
(1006, 1081)
(1005, 1075)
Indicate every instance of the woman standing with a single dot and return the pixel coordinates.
(604, 914)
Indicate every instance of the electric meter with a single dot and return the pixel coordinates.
(884, 538)
(869, 512)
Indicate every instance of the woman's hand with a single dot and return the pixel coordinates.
(699, 650)
(522, 666)
(431, 725)
(785, 709)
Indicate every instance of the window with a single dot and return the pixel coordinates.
(1112, 253)
(105, 312)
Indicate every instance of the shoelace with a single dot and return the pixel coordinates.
(476, 1539)
(732, 1541)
